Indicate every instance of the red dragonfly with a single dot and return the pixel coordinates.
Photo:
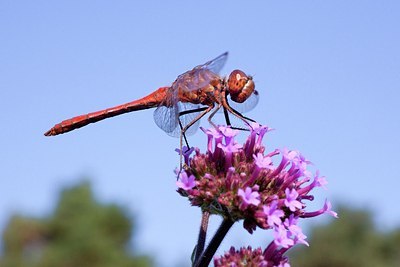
(179, 107)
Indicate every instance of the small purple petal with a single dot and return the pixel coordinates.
(289, 155)
(185, 182)
(249, 196)
(255, 127)
(262, 162)
(229, 133)
(328, 209)
(295, 231)
(185, 153)
(320, 181)
(212, 134)
(273, 214)
(230, 147)
(281, 237)
(291, 200)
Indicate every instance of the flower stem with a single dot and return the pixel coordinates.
(212, 247)
(202, 234)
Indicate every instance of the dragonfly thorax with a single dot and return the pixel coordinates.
(207, 95)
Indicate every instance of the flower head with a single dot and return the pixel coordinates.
(267, 190)
(250, 257)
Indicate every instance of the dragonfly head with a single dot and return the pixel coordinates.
(240, 86)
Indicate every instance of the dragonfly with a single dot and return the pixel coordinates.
(180, 107)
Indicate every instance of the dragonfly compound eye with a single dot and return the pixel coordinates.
(236, 81)
(240, 86)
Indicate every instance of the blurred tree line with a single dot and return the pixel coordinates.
(80, 232)
(83, 232)
(353, 240)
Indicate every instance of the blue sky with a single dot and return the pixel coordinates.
(328, 73)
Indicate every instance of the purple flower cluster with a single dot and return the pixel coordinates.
(248, 257)
(265, 189)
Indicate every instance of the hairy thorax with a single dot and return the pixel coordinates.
(207, 95)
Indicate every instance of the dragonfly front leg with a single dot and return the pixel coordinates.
(228, 122)
(235, 113)
(227, 119)
(241, 115)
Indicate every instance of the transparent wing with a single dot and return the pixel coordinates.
(166, 118)
(201, 75)
(215, 65)
(186, 119)
(166, 114)
(247, 105)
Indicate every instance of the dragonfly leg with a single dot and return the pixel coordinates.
(226, 115)
(228, 122)
(212, 115)
(204, 111)
(188, 112)
(235, 113)
(192, 111)
(227, 119)
(184, 135)
(240, 114)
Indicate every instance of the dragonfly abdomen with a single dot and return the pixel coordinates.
(152, 100)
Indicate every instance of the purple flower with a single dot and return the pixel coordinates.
(236, 258)
(256, 127)
(262, 162)
(230, 147)
(317, 182)
(185, 153)
(229, 133)
(320, 181)
(274, 254)
(273, 214)
(212, 133)
(295, 231)
(290, 155)
(281, 237)
(185, 182)
(287, 157)
(265, 189)
(291, 200)
(261, 131)
(249, 197)
(326, 209)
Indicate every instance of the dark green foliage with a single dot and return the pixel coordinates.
(350, 241)
(81, 232)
